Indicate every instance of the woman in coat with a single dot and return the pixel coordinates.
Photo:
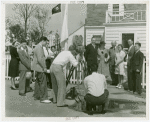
(14, 64)
(103, 61)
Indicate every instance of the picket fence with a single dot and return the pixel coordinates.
(78, 74)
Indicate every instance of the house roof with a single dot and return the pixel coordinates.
(76, 30)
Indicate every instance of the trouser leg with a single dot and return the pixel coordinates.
(134, 81)
(130, 80)
(138, 83)
(60, 77)
(27, 86)
(103, 108)
(37, 90)
(54, 86)
(112, 73)
(50, 82)
(22, 82)
(41, 78)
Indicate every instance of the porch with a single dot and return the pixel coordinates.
(125, 16)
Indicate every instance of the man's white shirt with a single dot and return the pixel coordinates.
(95, 84)
(48, 52)
(64, 57)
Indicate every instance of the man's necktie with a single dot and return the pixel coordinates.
(47, 50)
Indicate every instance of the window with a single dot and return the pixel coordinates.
(115, 8)
(125, 38)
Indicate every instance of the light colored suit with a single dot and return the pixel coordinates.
(39, 58)
(112, 54)
(38, 65)
(25, 63)
(24, 67)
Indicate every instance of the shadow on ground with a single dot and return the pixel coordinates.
(118, 105)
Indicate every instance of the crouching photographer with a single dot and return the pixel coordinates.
(97, 93)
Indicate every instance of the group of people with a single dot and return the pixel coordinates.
(48, 66)
(110, 63)
(102, 65)
(21, 64)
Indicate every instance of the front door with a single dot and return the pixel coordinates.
(125, 38)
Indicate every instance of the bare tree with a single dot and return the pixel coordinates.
(25, 11)
(42, 15)
(8, 23)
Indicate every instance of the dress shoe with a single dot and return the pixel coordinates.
(54, 102)
(31, 90)
(63, 105)
(94, 108)
(117, 86)
(12, 88)
(21, 94)
(130, 91)
(134, 92)
(46, 101)
(113, 84)
(103, 112)
(120, 86)
(90, 113)
(36, 98)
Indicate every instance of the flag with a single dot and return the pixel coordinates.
(56, 9)
(64, 30)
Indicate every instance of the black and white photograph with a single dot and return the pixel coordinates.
(75, 59)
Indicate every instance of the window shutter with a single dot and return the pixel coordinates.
(121, 9)
(110, 7)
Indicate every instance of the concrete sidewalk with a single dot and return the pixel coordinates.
(122, 104)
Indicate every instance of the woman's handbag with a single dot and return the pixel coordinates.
(28, 75)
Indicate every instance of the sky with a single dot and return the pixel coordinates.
(76, 17)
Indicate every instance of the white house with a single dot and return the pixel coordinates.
(117, 22)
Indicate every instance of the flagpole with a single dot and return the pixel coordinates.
(66, 43)
(67, 24)
(61, 16)
(61, 27)
(64, 31)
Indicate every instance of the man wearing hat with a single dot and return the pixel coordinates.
(58, 76)
(91, 56)
(137, 63)
(39, 65)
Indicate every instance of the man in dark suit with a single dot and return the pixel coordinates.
(24, 67)
(137, 63)
(39, 65)
(91, 56)
(129, 70)
(112, 52)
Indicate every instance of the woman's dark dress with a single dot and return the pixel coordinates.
(14, 63)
